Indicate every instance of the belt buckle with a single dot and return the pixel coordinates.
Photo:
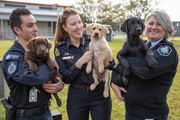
(21, 113)
(87, 88)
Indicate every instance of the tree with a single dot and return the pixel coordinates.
(100, 11)
(105, 12)
(139, 8)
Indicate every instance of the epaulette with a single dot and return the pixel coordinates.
(61, 43)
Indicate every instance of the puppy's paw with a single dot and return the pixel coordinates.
(101, 70)
(106, 94)
(92, 87)
(88, 69)
(153, 64)
(127, 73)
(51, 67)
(34, 68)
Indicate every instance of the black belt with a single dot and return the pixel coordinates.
(31, 112)
(84, 87)
(80, 86)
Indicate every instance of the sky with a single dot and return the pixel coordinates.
(172, 7)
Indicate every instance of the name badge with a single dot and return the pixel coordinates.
(68, 57)
(33, 94)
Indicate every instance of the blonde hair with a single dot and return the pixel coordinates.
(60, 33)
(164, 20)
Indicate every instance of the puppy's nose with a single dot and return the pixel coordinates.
(139, 30)
(42, 49)
(96, 34)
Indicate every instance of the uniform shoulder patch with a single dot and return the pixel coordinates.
(165, 50)
(12, 67)
(12, 63)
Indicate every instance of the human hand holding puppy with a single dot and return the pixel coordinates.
(117, 90)
(87, 56)
(53, 87)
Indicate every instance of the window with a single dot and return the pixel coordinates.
(14, 5)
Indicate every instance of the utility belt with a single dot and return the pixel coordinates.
(32, 111)
(84, 87)
(12, 113)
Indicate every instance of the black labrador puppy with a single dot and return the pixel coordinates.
(133, 46)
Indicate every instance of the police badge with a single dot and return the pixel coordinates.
(12, 68)
(164, 50)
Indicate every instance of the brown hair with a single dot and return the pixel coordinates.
(60, 33)
(15, 17)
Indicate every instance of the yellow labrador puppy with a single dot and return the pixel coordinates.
(99, 45)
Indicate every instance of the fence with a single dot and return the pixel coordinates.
(12, 36)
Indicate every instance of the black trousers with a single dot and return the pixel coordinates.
(81, 102)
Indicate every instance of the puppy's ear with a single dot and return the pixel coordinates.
(124, 26)
(88, 28)
(49, 45)
(105, 30)
(30, 45)
(142, 24)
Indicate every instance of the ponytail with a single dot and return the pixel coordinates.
(60, 33)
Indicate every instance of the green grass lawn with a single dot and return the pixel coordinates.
(118, 109)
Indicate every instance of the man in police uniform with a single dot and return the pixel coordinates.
(27, 96)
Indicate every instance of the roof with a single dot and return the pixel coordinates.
(9, 1)
(42, 12)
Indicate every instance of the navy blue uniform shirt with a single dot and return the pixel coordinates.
(21, 79)
(148, 88)
(67, 55)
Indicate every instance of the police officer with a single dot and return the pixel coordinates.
(71, 54)
(28, 98)
(148, 88)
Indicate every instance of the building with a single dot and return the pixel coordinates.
(45, 15)
(176, 25)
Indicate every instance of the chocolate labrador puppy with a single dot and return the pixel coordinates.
(133, 46)
(38, 54)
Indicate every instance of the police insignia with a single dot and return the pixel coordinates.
(12, 67)
(57, 53)
(12, 63)
(66, 54)
(164, 50)
(12, 57)
(87, 48)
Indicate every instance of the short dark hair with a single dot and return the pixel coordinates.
(15, 19)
